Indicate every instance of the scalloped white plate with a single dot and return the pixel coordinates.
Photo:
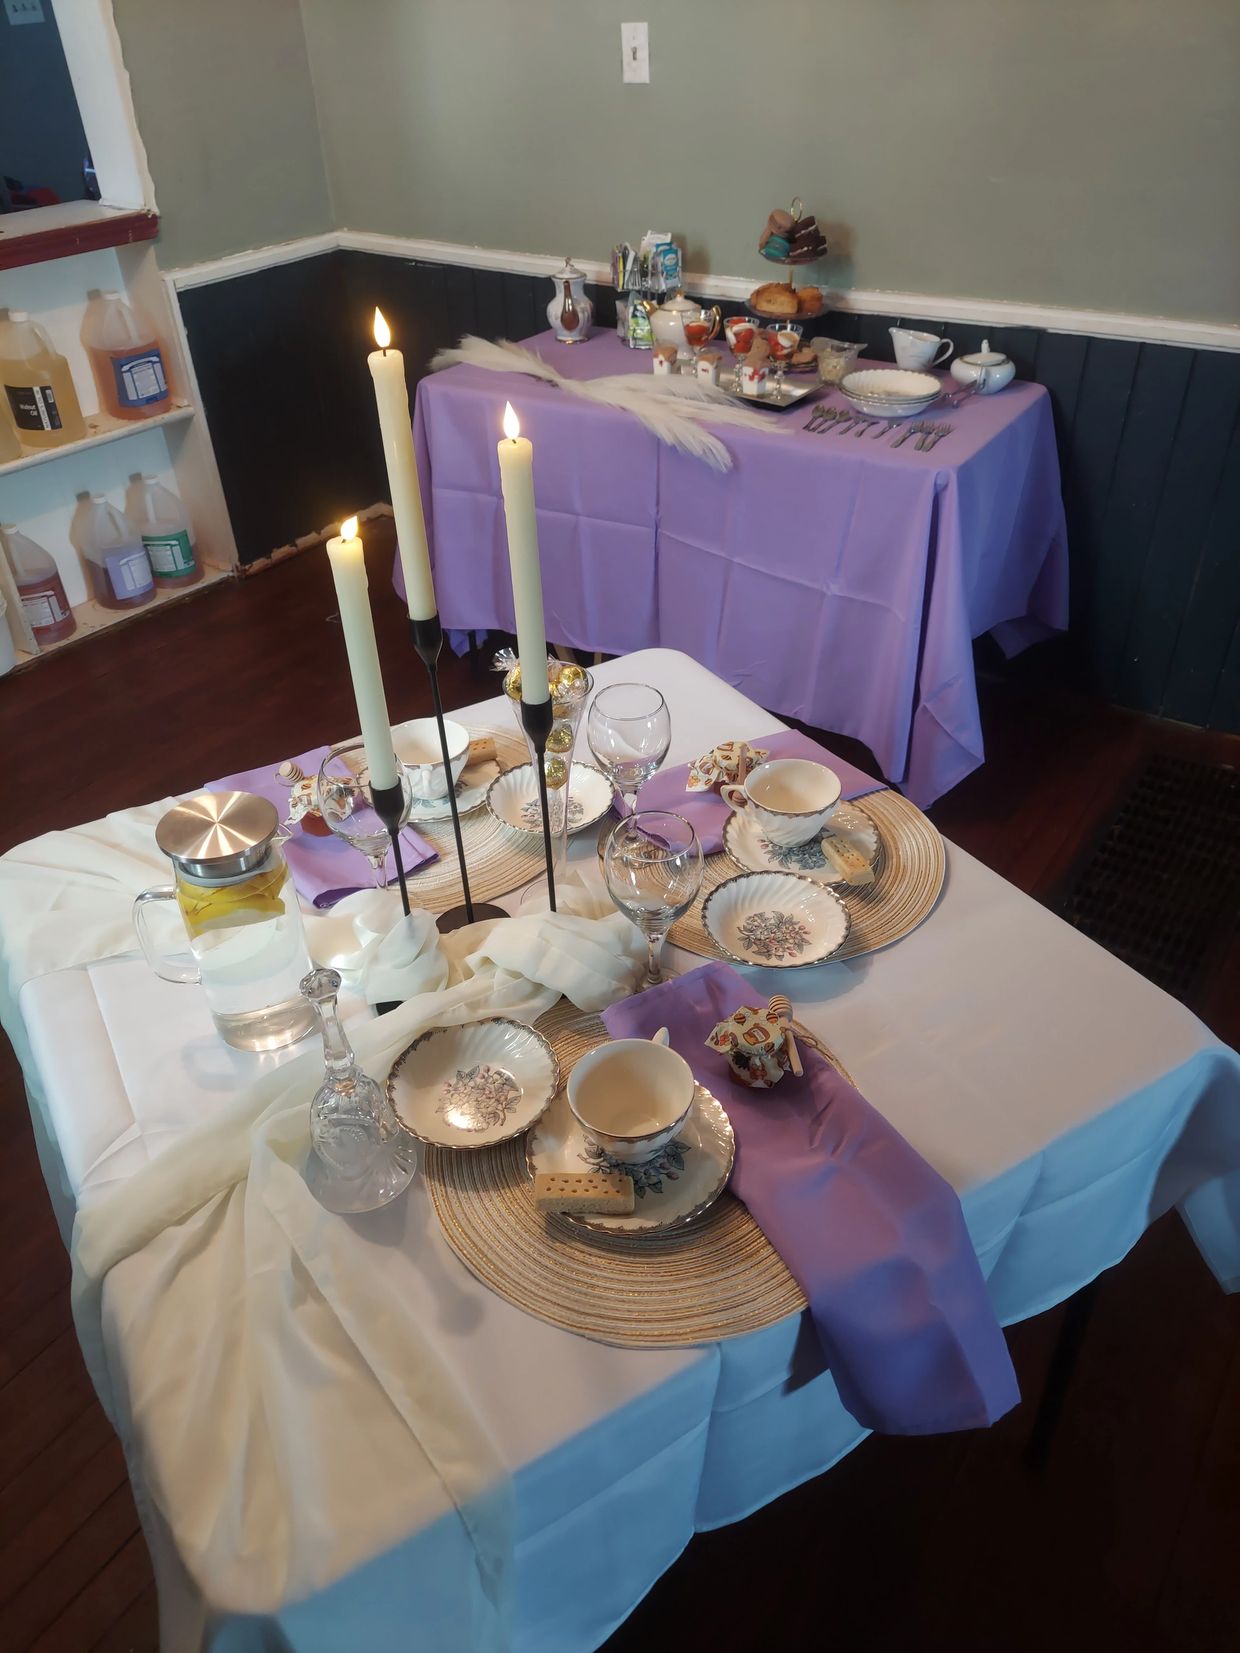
(778, 920)
(513, 798)
(681, 1183)
(473, 1086)
(744, 844)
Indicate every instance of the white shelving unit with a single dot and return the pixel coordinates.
(40, 491)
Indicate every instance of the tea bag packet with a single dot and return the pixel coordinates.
(752, 1040)
(731, 760)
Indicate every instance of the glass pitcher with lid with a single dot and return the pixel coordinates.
(240, 913)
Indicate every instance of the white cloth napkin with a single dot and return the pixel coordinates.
(260, 1336)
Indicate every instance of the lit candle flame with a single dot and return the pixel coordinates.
(383, 333)
(512, 425)
(348, 529)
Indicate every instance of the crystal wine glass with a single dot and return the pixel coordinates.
(653, 868)
(361, 1158)
(629, 729)
(343, 795)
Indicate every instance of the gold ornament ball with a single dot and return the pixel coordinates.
(572, 678)
(560, 738)
(512, 683)
(557, 773)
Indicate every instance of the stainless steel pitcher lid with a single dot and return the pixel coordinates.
(218, 834)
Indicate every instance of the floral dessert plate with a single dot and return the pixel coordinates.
(472, 1086)
(678, 1185)
(513, 798)
(745, 844)
(776, 919)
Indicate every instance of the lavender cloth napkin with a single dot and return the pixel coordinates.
(324, 870)
(872, 1234)
(707, 811)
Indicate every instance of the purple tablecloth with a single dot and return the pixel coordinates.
(833, 579)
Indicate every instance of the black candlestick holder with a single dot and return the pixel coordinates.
(428, 641)
(536, 720)
(389, 806)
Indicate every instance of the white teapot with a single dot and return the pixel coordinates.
(570, 312)
(986, 370)
(668, 322)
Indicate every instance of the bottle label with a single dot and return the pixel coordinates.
(43, 609)
(170, 554)
(34, 407)
(129, 572)
(139, 378)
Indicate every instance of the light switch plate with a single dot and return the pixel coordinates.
(635, 44)
(23, 11)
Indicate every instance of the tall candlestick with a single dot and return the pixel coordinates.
(387, 368)
(353, 597)
(516, 478)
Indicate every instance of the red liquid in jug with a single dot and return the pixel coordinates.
(47, 608)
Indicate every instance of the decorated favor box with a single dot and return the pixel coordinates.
(752, 1039)
(731, 760)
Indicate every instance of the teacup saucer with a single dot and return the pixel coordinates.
(775, 919)
(474, 1085)
(513, 798)
(682, 1182)
(471, 793)
(746, 845)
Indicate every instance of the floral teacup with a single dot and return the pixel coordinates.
(631, 1097)
(791, 798)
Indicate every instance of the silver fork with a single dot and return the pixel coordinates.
(865, 425)
(888, 426)
(940, 433)
(909, 430)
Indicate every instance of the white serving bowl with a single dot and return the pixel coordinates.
(890, 392)
(417, 746)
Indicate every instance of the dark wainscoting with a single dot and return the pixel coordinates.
(1149, 442)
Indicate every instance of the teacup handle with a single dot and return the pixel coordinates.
(939, 355)
(662, 1037)
(733, 795)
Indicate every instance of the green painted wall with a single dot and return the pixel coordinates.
(226, 110)
(1052, 151)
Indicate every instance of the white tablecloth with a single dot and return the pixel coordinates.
(1067, 1100)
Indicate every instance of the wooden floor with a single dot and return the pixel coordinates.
(1125, 1540)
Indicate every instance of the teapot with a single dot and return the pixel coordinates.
(570, 312)
(668, 321)
(985, 371)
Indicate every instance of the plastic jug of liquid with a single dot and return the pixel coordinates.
(166, 531)
(118, 571)
(37, 385)
(10, 447)
(126, 359)
(39, 586)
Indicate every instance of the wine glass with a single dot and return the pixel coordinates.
(653, 868)
(361, 1158)
(343, 796)
(629, 730)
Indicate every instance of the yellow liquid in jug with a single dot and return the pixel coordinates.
(226, 906)
(45, 369)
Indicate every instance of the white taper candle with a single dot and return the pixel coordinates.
(516, 478)
(348, 564)
(387, 369)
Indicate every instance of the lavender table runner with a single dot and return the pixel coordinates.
(872, 1234)
(324, 870)
(832, 579)
(707, 810)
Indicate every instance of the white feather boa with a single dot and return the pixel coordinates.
(669, 408)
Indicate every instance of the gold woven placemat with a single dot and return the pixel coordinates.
(910, 868)
(717, 1277)
(499, 860)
